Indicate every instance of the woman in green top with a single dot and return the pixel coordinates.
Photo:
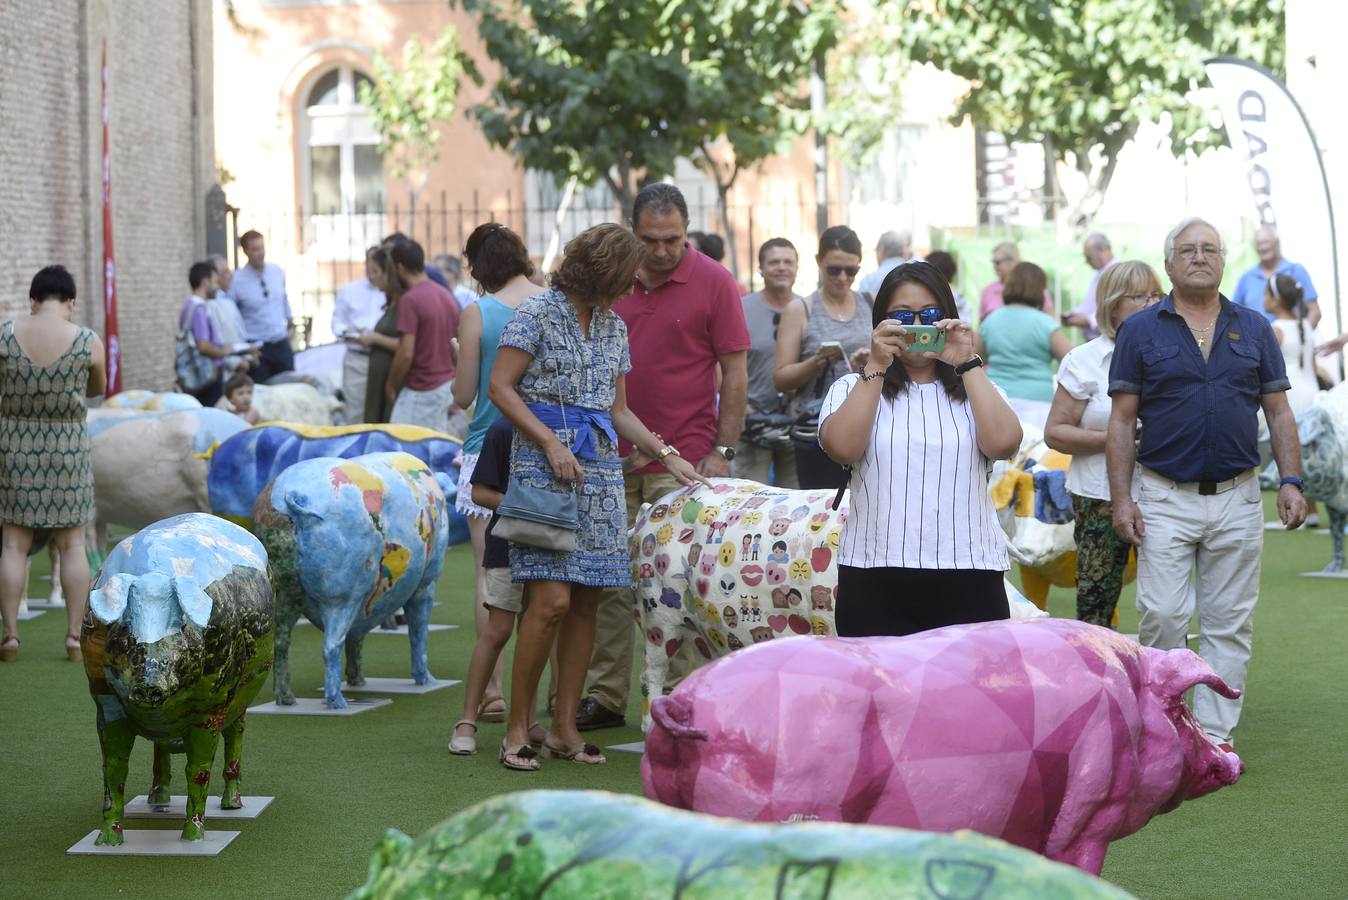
(382, 342)
(1020, 343)
(499, 263)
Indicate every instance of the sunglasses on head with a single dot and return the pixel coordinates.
(835, 271)
(929, 315)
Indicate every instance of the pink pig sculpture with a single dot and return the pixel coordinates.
(1051, 734)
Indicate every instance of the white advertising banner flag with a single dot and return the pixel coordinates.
(1284, 172)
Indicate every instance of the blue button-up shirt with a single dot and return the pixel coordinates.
(262, 301)
(1198, 418)
(1251, 286)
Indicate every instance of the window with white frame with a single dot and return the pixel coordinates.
(345, 170)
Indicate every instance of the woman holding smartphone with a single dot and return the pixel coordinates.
(821, 338)
(920, 430)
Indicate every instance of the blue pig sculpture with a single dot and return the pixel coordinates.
(350, 541)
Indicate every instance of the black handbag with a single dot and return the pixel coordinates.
(768, 430)
(805, 428)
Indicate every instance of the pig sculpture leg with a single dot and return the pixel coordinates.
(115, 738)
(200, 741)
(232, 798)
(287, 614)
(354, 676)
(336, 626)
(162, 774)
(1337, 519)
(418, 611)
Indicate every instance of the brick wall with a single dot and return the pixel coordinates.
(159, 58)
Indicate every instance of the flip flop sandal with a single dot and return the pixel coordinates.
(9, 649)
(525, 759)
(463, 746)
(565, 753)
(73, 653)
(492, 715)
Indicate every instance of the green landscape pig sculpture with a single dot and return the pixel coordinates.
(595, 845)
(177, 642)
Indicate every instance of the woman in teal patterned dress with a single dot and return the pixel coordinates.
(48, 365)
(559, 379)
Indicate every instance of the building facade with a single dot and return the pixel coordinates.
(161, 160)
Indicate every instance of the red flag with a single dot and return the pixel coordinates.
(109, 268)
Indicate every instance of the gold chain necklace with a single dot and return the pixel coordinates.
(1199, 333)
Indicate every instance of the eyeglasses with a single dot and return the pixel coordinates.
(998, 260)
(776, 320)
(1142, 299)
(929, 316)
(262, 280)
(1194, 251)
(835, 271)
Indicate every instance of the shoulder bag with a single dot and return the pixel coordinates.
(192, 368)
(538, 517)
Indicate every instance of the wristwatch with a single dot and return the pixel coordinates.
(975, 363)
(727, 452)
(1295, 481)
(668, 450)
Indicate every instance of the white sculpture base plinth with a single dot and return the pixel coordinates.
(155, 843)
(140, 808)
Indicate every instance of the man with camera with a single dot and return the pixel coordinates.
(764, 449)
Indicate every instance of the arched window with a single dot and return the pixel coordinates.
(345, 173)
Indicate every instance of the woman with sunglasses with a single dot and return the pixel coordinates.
(820, 339)
(921, 547)
(1077, 422)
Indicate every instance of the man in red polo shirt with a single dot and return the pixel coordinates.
(685, 324)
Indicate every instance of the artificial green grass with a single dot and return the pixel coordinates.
(340, 782)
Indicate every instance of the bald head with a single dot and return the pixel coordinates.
(1269, 248)
(1097, 251)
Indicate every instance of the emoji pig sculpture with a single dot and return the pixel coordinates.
(724, 567)
(351, 541)
(1054, 735)
(177, 642)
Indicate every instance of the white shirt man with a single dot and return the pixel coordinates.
(357, 308)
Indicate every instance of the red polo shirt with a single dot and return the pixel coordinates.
(676, 332)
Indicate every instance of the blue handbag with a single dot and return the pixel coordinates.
(538, 517)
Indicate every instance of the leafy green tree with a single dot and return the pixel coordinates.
(1080, 75)
(410, 102)
(617, 90)
(591, 90)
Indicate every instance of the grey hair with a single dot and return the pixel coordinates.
(216, 260)
(1099, 240)
(892, 244)
(1187, 222)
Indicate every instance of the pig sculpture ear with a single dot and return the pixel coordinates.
(108, 602)
(299, 504)
(1175, 671)
(195, 603)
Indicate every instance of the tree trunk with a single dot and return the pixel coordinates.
(722, 198)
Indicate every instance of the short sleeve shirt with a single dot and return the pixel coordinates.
(1199, 417)
(1084, 375)
(677, 332)
(432, 314)
(492, 470)
(203, 326)
(568, 366)
(762, 321)
(1251, 286)
(1020, 352)
(920, 493)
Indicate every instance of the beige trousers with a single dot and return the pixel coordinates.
(1220, 538)
(610, 675)
(759, 463)
(355, 374)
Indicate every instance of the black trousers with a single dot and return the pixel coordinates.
(893, 601)
(277, 357)
(211, 392)
(815, 470)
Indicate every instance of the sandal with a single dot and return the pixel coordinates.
(73, 652)
(521, 759)
(463, 746)
(491, 715)
(9, 648)
(595, 758)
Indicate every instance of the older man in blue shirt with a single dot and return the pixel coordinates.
(1195, 369)
(259, 290)
(1252, 284)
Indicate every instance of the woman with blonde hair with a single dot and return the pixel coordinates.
(559, 379)
(382, 340)
(1077, 422)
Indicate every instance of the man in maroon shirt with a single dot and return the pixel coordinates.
(686, 329)
(422, 374)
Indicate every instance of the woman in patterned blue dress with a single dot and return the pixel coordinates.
(559, 379)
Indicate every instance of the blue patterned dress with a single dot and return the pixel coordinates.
(575, 370)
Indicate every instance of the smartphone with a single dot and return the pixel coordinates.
(834, 347)
(923, 339)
